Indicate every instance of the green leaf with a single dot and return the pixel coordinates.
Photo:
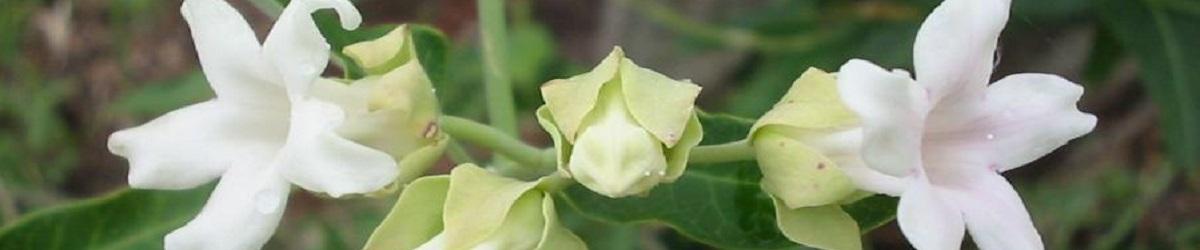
(717, 204)
(126, 219)
(1163, 37)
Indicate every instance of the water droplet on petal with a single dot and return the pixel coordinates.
(266, 201)
(662, 172)
(991, 136)
(647, 173)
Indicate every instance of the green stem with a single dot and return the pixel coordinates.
(727, 152)
(533, 161)
(501, 110)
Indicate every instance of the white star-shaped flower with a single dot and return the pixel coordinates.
(940, 142)
(273, 123)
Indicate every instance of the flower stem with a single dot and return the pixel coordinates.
(533, 161)
(500, 107)
(726, 152)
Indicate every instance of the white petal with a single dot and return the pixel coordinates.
(229, 53)
(318, 159)
(892, 109)
(193, 145)
(242, 212)
(953, 51)
(927, 220)
(296, 48)
(1031, 115)
(869, 179)
(995, 215)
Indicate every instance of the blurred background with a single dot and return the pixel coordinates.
(72, 72)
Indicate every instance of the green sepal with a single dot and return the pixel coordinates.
(479, 202)
(677, 156)
(384, 53)
(562, 148)
(662, 106)
(797, 174)
(824, 227)
(570, 100)
(812, 103)
(415, 218)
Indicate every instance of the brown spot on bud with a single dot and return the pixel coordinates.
(821, 166)
(431, 130)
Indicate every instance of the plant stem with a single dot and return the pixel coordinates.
(533, 161)
(727, 152)
(501, 112)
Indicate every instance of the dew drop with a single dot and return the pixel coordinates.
(647, 173)
(662, 172)
(991, 136)
(266, 202)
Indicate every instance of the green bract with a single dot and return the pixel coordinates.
(798, 145)
(399, 97)
(621, 129)
(477, 210)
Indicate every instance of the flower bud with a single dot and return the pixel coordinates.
(393, 109)
(621, 129)
(480, 210)
(803, 140)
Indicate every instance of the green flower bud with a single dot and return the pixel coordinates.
(621, 129)
(473, 209)
(803, 140)
(393, 109)
(801, 145)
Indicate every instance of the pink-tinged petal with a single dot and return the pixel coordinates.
(869, 179)
(241, 213)
(927, 220)
(229, 53)
(954, 49)
(192, 145)
(892, 109)
(1030, 116)
(295, 46)
(995, 215)
(318, 159)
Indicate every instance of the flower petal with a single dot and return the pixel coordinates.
(192, 145)
(927, 220)
(316, 158)
(892, 109)
(995, 215)
(229, 53)
(953, 51)
(1033, 114)
(242, 212)
(296, 48)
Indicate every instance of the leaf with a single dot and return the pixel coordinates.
(126, 219)
(717, 204)
(1163, 37)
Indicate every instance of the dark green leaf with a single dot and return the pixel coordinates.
(718, 204)
(127, 219)
(1163, 37)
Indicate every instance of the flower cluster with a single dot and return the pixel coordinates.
(939, 142)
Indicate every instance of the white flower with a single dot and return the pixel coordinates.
(273, 122)
(940, 142)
